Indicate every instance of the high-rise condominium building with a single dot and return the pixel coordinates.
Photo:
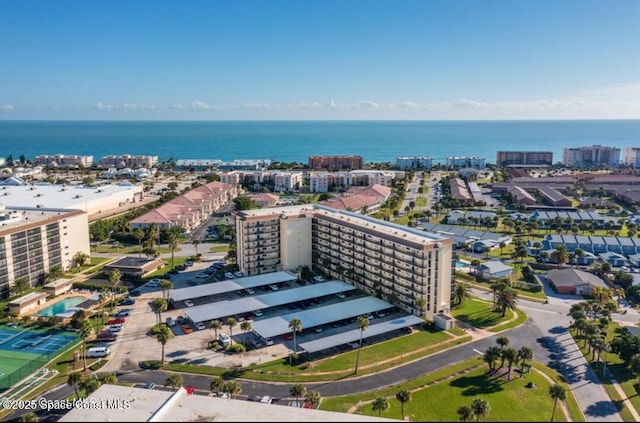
(593, 156)
(335, 162)
(410, 268)
(524, 158)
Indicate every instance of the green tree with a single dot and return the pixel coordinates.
(174, 380)
(84, 330)
(114, 281)
(172, 242)
(296, 326)
(163, 336)
(298, 390)
(19, 286)
(90, 385)
(403, 396)
(465, 412)
(29, 417)
(216, 325)
(165, 285)
(232, 388)
(363, 324)
(246, 327)
(73, 380)
(461, 292)
(217, 383)
(313, 398)
(159, 306)
(480, 408)
(558, 393)
(139, 235)
(232, 323)
(243, 203)
(511, 356)
(507, 299)
(502, 342)
(195, 243)
(524, 353)
(380, 404)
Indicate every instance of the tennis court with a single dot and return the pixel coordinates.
(24, 351)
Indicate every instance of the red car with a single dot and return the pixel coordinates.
(116, 321)
(288, 336)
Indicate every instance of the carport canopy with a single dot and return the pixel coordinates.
(354, 334)
(230, 285)
(220, 309)
(279, 325)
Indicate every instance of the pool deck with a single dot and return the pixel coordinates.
(73, 293)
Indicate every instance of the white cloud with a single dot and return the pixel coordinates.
(104, 107)
(199, 105)
(134, 106)
(6, 107)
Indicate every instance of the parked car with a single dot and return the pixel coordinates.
(268, 341)
(115, 328)
(238, 274)
(228, 275)
(187, 329)
(149, 385)
(135, 293)
(273, 287)
(171, 322)
(200, 326)
(116, 320)
(128, 301)
(123, 313)
(340, 295)
(202, 275)
(188, 303)
(153, 283)
(288, 336)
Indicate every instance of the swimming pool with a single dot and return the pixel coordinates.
(460, 263)
(60, 306)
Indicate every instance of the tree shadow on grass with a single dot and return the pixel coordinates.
(478, 385)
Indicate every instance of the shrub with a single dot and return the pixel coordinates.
(236, 348)
(150, 364)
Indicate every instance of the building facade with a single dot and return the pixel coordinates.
(524, 158)
(423, 162)
(32, 241)
(127, 160)
(593, 156)
(60, 160)
(631, 156)
(410, 268)
(335, 162)
(458, 162)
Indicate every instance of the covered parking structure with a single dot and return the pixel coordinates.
(231, 285)
(275, 326)
(352, 335)
(221, 309)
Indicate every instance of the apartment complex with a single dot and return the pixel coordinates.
(327, 181)
(403, 265)
(593, 156)
(631, 156)
(458, 162)
(127, 160)
(60, 160)
(414, 162)
(524, 158)
(335, 162)
(34, 240)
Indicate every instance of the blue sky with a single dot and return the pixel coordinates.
(347, 59)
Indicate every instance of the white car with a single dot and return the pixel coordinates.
(188, 303)
(340, 295)
(115, 328)
(273, 287)
(153, 283)
(228, 275)
(200, 325)
(239, 274)
(202, 275)
(268, 341)
(257, 313)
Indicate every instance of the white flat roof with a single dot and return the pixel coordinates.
(29, 297)
(250, 303)
(320, 344)
(279, 325)
(163, 406)
(216, 288)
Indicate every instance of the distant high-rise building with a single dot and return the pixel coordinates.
(335, 162)
(414, 162)
(466, 161)
(593, 156)
(524, 158)
(631, 156)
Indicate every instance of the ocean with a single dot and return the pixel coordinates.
(295, 141)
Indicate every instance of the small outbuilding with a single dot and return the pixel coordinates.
(134, 266)
(28, 302)
(573, 281)
(493, 269)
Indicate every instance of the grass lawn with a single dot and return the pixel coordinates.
(479, 313)
(436, 396)
(421, 202)
(219, 248)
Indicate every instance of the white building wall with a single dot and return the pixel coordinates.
(295, 243)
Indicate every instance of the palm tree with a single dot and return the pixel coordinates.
(174, 380)
(560, 255)
(461, 292)
(102, 296)
(524, 353)
(217, 383)
(507, 299)
(231, 322)
(85, 329)
(163, 336)
(114, 281)
(420, 303)
(298, 390)
(296, 326)
(159, 305)
(73, 380)
(246, 327)
(313, 398)
(557, 392)
(166, 285)
(195, 243)
(465, 412)
(490, 356)
(363, 324)
(480, 408)
(19, 286)
(502, 342)
(511, 355)
(403, 396)
(232, 388)
(139, 235)
(216, 325)
(172, 242)
(380, 404)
